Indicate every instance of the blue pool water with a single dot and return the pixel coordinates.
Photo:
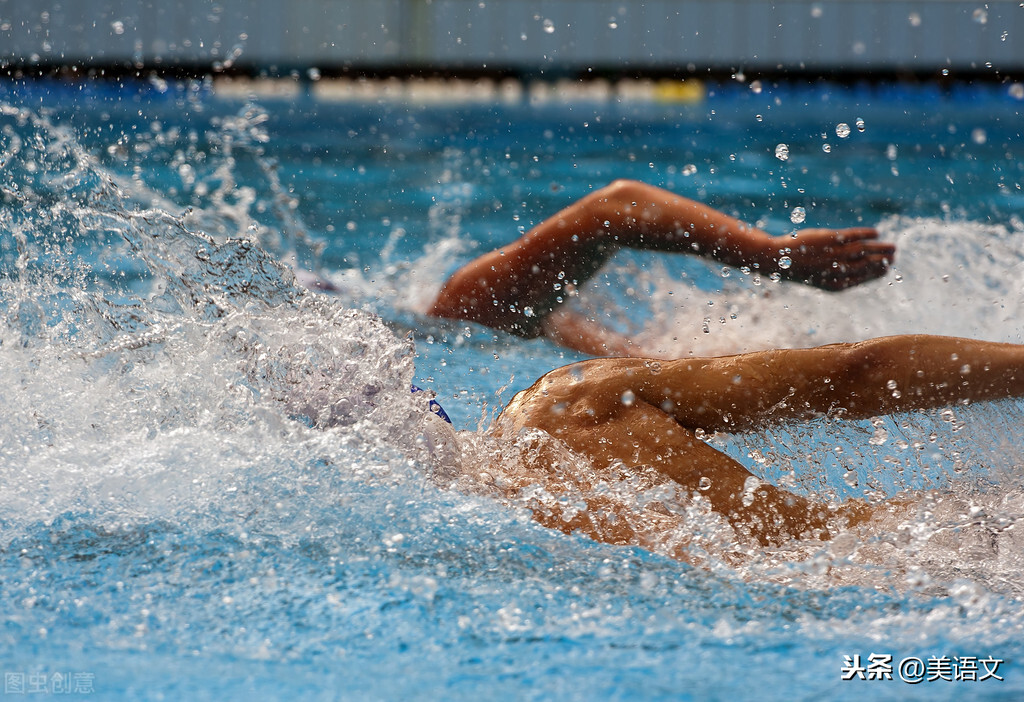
(172, 528)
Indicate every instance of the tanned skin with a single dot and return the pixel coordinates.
(516, 288)
(639, 412)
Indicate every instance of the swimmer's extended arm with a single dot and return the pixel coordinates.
(514, 288)
(865, 379)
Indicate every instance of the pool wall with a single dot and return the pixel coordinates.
(561, 37)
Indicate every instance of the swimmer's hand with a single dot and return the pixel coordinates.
(833, 259)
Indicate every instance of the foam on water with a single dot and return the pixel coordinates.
(203, 461)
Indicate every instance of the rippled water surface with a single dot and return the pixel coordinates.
(174, 524)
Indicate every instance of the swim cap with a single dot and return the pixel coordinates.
(434, 406)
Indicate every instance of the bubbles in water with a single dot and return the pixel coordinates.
(549, 27)
(628, 398)
(850, 477)
(785, 262)
(613, 23)
(689, 169)
(980, 15)
(798, 215)
(880, 436)
(1017, 91)
(756, 87)
(750, 486)
(978, 136)
(117, 26)
(914, 19)
(827, 148)
(860, 124)
(842, 130)
(705, 483)
(782, 152)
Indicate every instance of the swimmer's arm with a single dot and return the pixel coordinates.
(514, 287)
(861, 380)
(642, 216)
(588, 407)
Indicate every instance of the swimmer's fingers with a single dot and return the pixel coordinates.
(850, 273)
(817, 237)
(851, 234)
(855, 251)
(835, 259)
(872, 247)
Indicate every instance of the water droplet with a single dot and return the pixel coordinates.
(827, 148)
(628, 398)
(782, 152)
(842, 130)
(798, 215)
(549, 27)
(705, 483)
(689, 169)
(879, 437)
(528, 311)
(750, 486)
(759, 118)
(860, 124)
(785, 262)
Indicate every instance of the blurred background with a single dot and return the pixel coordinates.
(846, 39)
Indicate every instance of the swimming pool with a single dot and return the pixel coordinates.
(171, 528)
